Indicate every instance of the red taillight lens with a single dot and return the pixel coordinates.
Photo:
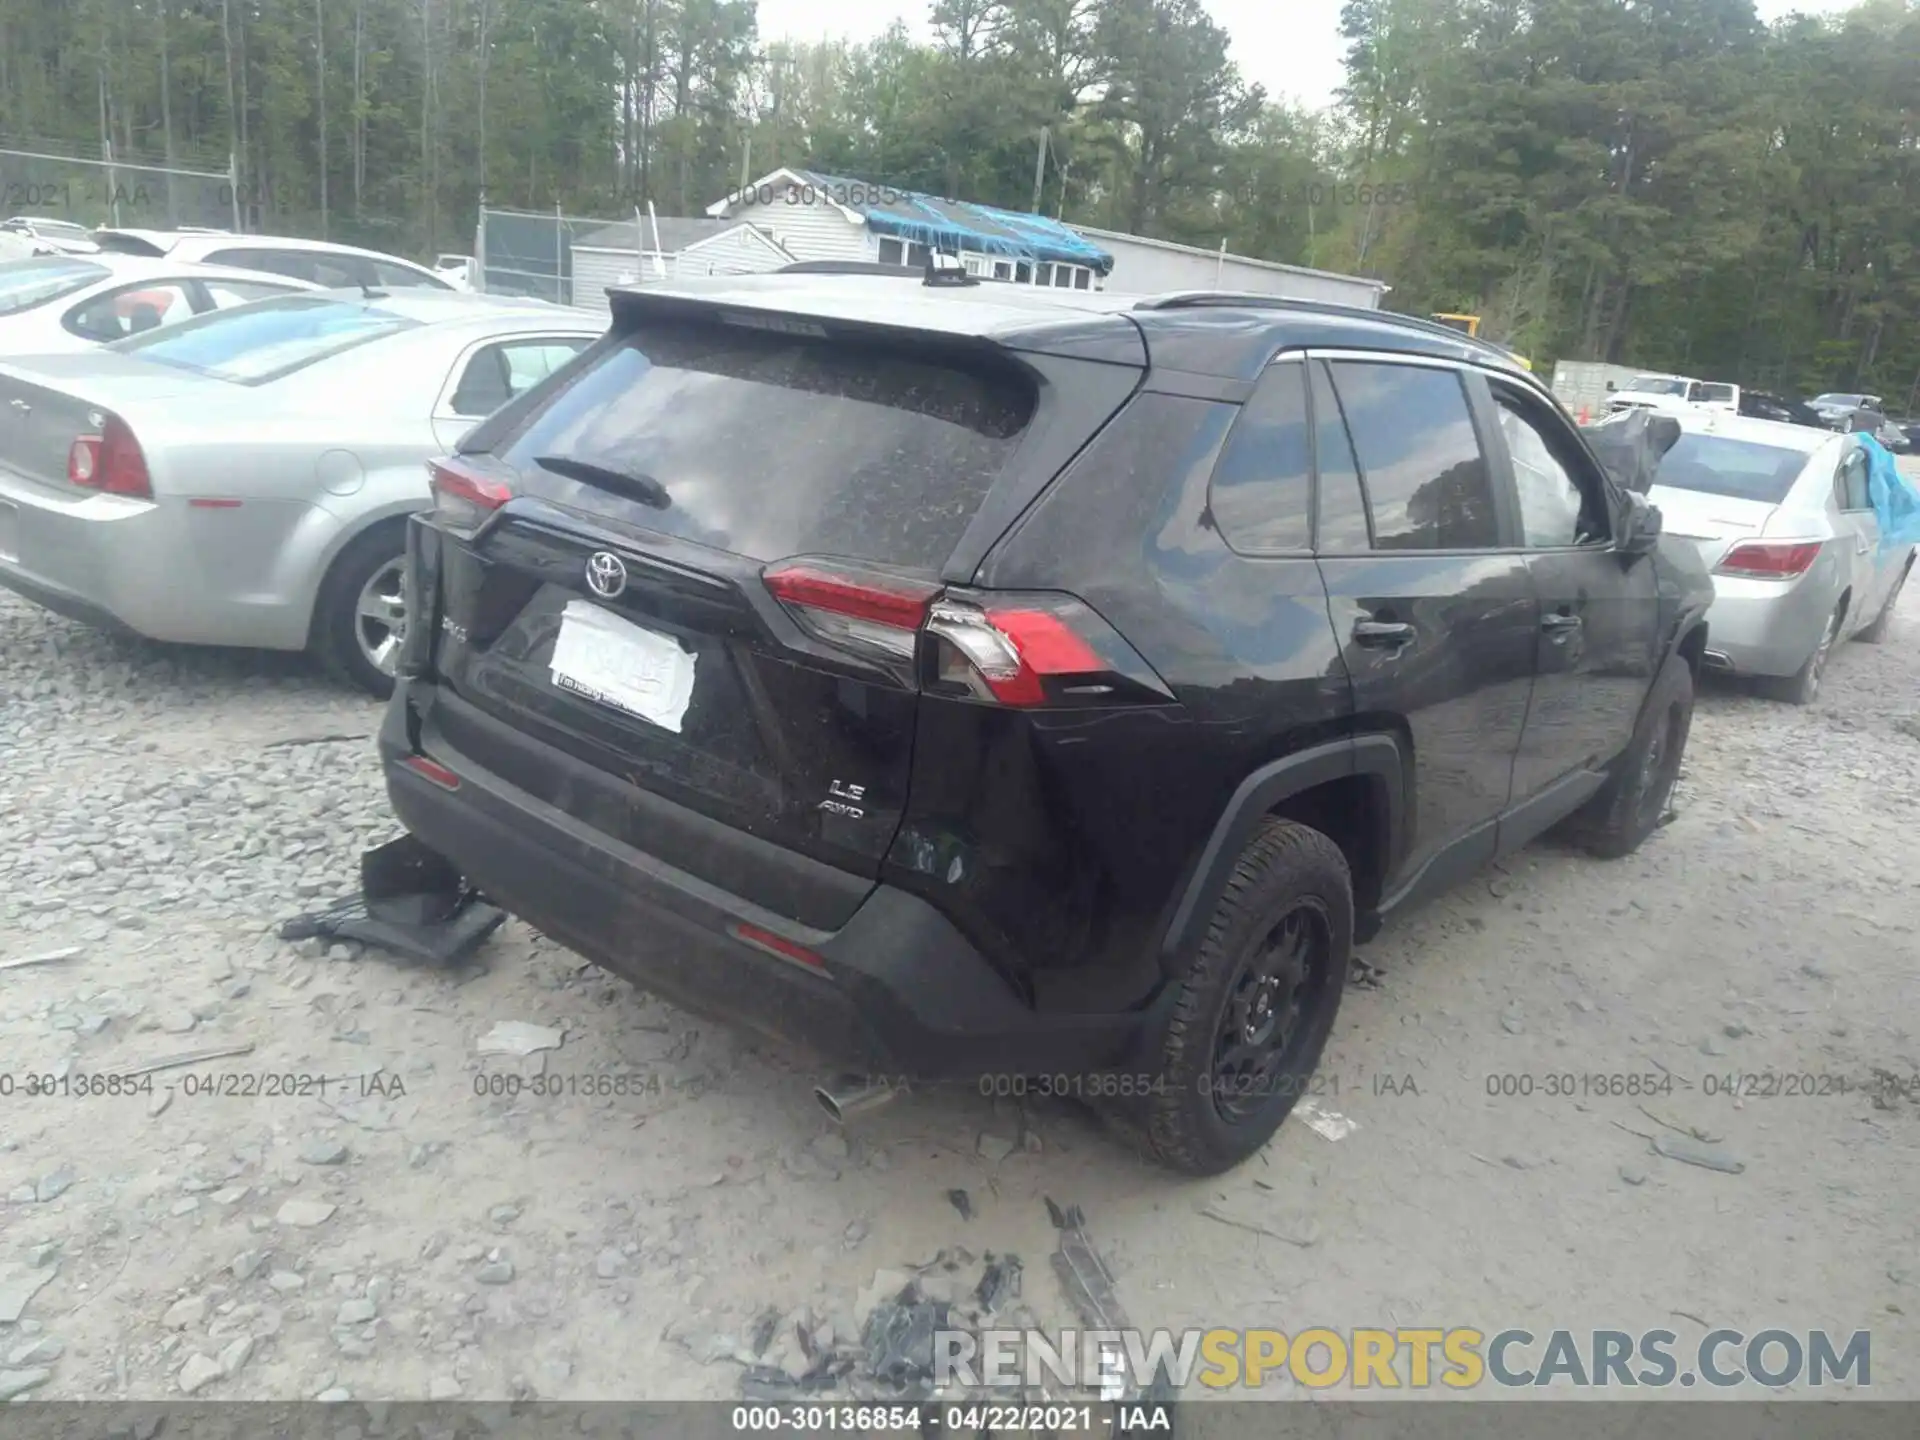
(1036, 650)
(111, 461)
(1769, 559)
(858, 609)
(462, 495)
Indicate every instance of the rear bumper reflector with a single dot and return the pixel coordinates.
(778, 945)
(214, 504)
(433, 770)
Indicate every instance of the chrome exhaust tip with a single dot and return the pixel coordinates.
(852, 1095)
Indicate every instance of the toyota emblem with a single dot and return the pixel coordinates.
(606, 574)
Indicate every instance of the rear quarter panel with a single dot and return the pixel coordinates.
(1075, 830)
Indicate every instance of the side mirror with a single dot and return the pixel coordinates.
(1611, 386)
(1639, 525)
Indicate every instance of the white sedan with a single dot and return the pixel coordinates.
(58, 304)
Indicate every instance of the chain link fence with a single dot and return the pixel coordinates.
(520, 252)
(47, 185)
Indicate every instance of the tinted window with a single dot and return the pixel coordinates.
(1261, 487)
(1854, 492)
(1742, 469)
(500, 372)
(130, 310)
(399, 277)
(1426, 481)
(1654, 385)
(319, 267)
(1550, 500)
(1716, 394)
(27, 283)
(262, 342)
(772, 445)
(228, 293)
(1342, 519)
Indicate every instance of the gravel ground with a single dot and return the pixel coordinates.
(386, 1231)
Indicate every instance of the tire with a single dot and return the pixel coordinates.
(1803, 686)
(1877, 631)
(1630, 805)
(1288, 903)
(345, 626)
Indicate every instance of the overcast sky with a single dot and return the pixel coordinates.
(1292, 47)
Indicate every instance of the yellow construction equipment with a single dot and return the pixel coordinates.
(1470, 325)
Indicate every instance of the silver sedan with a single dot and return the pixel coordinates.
(1783, 517)
(56, 303)
(244, 478)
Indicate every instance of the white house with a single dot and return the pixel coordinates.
(829, 217)
(650, 250)
(814, 216)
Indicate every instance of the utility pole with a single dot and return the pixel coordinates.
(1039, 170)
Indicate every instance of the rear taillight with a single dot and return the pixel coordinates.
(1029, 650)
(862, 610)
(1769, 559)
(110, 461)
(463, 497)
(1020, 650)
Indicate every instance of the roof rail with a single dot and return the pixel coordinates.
(1247, 299)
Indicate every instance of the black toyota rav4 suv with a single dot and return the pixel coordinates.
(976, 680)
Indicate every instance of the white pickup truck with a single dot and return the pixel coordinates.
(1676, 392)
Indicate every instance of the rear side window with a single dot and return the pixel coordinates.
(771, 445)
(256, 343)
(25, 284)
(1427, 483)
(1739, 469)
(1261, 487)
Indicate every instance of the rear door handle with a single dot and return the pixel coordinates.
(1560, 622)
(1382, 632)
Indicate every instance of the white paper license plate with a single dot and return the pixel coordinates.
(614, 662)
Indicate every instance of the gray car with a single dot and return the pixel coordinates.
(1783, 517)
(244, 478)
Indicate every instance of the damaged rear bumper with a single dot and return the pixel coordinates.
(897, 989)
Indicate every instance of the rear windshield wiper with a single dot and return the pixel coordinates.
(644, 488)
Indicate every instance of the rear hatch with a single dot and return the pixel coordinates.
(708, 584)
(46, 402)
(1716, 491)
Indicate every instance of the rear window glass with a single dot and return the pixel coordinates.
(256, 343)
(27, 283)
(1715, 465)
(1716, 392)
(770, 444)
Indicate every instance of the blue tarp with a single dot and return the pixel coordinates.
(1896, 503)
(959, 224)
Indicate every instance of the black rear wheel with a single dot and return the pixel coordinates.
(1803, 686)
(1255, 1006)
(1630, 805)
(1877, 631)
